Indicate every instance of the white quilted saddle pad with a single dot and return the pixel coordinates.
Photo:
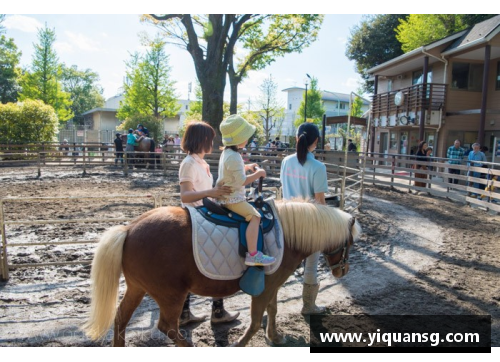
(215, 248)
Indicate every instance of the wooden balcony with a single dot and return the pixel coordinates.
(416, 99)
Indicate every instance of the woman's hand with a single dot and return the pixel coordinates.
(219, 190)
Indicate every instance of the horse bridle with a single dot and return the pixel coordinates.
(344, 258)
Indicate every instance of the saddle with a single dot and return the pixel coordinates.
(219, 215)
(252, 281)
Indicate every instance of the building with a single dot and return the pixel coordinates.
(335, 104)
(100, 123)
(446, 90)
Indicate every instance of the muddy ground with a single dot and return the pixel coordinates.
(417, 255)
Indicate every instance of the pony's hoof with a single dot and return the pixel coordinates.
(279, 340)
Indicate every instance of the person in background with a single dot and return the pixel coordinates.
(454, 154)
(421, 157)
(118, 149)
(351, 147)
(475, 155)
(143, 131)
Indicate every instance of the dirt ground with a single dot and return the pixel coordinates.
(417, 255)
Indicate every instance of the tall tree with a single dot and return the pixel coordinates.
(2, 28)
(314, 110)
(268, 37)
(421, 29)
(149, 89)
(43, 81)
(270, 109)
(85, 92)
(210, 40)
(9, 70)
(196, 106)
(373, 42)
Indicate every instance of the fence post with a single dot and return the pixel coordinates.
(125, 163)
(164, 163)
(83, 155)
(4, 265)
(393, 165)
(39, 166)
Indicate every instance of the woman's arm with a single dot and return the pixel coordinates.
(189, 195)
(320, 198)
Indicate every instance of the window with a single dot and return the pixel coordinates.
(290, 106)
(186, 106)
(467, 76)
(498, 76)
(418, 76)
(393, 141)
(342, 105)
(389, 85)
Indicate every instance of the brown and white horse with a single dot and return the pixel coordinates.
(155, 254)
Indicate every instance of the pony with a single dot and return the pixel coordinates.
(145, 144)
(155, 254)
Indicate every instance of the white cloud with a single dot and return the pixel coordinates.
(82, 42)
(351, 83)
(63, 47)
(22, 23)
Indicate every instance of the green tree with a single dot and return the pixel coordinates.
(28, 121)
(268, 37)
(270, 109)
(421, 29)
(149, 89)
(314, 109)
(43, 81)
(9, 70)
(373, 42)
(85, 93)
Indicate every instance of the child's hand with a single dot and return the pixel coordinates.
(261, 172)
(251, 167)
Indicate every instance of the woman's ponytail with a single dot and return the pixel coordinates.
(307, 134)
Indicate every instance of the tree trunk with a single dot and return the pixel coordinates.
(233, 81)
(213, 100)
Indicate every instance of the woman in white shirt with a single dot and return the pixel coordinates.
(196, 182)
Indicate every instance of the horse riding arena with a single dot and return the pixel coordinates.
(418, 255)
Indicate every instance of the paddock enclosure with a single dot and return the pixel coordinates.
(435, 252)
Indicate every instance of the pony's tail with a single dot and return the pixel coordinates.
(152, 145)
(105, 276)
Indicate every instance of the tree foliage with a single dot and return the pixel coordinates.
(2, 28)
(10, 71)
(85, 92)
(28, 121)
(315, 109)
(373, 42)
(270, 109)
(152, 123)
(421, 29)
(149, 90)
(196, 106)
(268, 37)
(210, 39)
(43, 80)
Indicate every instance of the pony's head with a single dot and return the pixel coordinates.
(310, 227)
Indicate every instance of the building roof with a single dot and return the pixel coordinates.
(330, 96)
(100, 110)
(478, 32)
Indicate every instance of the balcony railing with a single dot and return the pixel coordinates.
(416, 99)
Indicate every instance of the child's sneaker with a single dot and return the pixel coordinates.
(259, 259)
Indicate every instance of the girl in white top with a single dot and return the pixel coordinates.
(235, 132)
(196, 183)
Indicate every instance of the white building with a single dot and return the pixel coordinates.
(335, 104)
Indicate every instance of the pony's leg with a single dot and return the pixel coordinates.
(257, 308)
(169, 321)
(272, 310)
(131, 300)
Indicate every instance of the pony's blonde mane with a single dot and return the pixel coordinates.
(310, 227)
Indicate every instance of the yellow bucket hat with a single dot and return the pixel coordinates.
(235, 130)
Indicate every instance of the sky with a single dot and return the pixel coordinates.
(104, 42)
